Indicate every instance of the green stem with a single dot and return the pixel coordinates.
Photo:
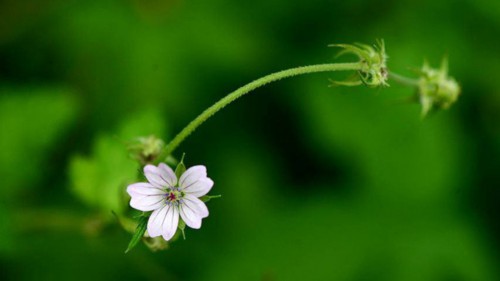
(248, 88)
(403, 80)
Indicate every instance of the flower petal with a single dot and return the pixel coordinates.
(192, 175)
(145, 197)
(168, 174)
(196, 205)
(142, 189)
(170, 223)
(190, 218)
(155, 221)
(164, 222)
(147, 203)
(161, 176)
(199, 187)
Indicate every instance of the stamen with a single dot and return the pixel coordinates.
(171, 196)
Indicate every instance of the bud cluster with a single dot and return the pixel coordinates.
(436, 90)
(373, 60)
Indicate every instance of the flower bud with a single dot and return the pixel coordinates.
(156, 243)
(373, 72)
(436, 90)
(146, 149)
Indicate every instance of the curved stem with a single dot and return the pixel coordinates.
(248, 88)
(403, 80)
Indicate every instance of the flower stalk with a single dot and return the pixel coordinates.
(403, 80)
(191, 127)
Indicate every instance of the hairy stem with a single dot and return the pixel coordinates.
(403, 80)
(248, 88)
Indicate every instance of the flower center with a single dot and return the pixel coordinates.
(173, 195)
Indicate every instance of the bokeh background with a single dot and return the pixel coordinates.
(318, 183)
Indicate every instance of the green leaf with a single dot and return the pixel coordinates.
(207, 198)
(139, 233)
(181, 168)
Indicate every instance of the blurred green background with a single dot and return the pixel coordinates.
(318, 183)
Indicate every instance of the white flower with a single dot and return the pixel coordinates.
(168, 198)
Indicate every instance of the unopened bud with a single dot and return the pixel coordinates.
(436, 89)
(146, 149)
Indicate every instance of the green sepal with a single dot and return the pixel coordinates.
(354, 80)
(181, 168)
(207, 198)
(141, 215)
(171, 161)
(139, 233)
(372, 59)
(182, 226)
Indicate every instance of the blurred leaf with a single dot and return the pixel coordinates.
(145, 123)
(32, 122)
(100, 180)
